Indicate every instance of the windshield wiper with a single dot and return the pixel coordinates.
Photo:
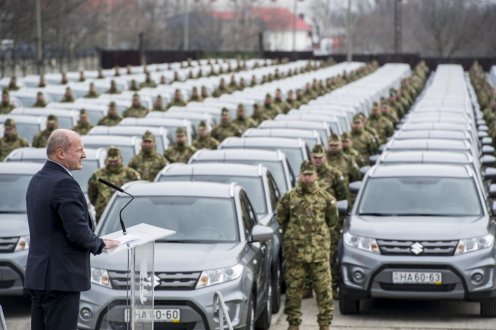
(377, 214)
(192, 241)
(12, 212)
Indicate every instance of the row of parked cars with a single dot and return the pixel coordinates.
(423, 224)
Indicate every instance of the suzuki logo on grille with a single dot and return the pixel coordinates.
(417, 248)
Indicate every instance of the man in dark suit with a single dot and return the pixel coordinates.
(61, 236)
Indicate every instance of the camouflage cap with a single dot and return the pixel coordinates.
(375, 104)
(392, 91)
(39, 94)
(334, 138)
(5, 91)
(9, 123)
(135, 95)
(307, 167)
(52, 118)
(318, 150)
(83, 112)
(346, 136)
(180, 131)
(202, 124)
(114, 153)
(148, 136)
(357, 117)
(225, 111)
(112, 104)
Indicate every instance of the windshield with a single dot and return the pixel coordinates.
(82, 176)
(420, 196)
(13, 189)
(252, 185)
(27, 131)
(195, 219)
(127, 151)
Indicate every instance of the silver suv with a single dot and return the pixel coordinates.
(219, 246)
(419, 231)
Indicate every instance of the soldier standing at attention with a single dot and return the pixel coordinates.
(241, 120)
(136, 109)
(180, 151)
(226, 128)
(307, 215)
(115, 172)
(83, 125)
(204, 140)
(40, 140)
(112, 118)
(380, 123)
(158, 105)
(92, 92)
(68, 96)
(10, 140)
(148, 162)
(362, 140)
(40, 101)
(6, 106)
(330, 178)
(336, 158)
(350, 151)
(113, 88)
(178, 99)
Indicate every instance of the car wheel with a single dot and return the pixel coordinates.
(276, 289)
(348, 305)
(250, 315)
(488, 307)
(263, 322)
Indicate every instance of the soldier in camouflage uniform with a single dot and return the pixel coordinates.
(222, 89)
(136, 109)
(113, 88)
(350, 151)
(41, 138)
(204, 92)
(92, 92)
(42, 83)
(336, 158)
(242, 121)
(204, 140)
(330, 178)
(158, 105)
(6, 106)
(40, 101)
(83, 125)
(112, 118)
(115, 172)
(148, 162)
(381, 124)
(269, 107)
(134, 86)
(280, 102)
(307, 215)
(226, 128)
(13, 84)
(10, 140)
(81, 76)
(363, 141)
(68, 96)
(178, 100)
(195, 95)
(148, 81)
(259, 115)
(291, 100)
(180, 151)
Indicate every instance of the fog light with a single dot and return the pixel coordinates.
(358, 276)
(86, 314)
(477, 278)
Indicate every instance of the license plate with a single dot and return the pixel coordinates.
(157, 315)
(417, 278)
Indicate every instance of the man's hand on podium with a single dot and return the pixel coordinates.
(111, 243)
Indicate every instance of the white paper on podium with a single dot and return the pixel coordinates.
(137, 235)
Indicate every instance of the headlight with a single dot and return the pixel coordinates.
(22, 244)
(100, 277)
(362, 243)
(474, 244)
(218, 276)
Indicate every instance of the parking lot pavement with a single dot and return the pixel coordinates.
(396, 314)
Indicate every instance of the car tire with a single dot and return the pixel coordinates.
(276, 289)
(250, 315)
(488, 307)
(348, 306)
(264, 320)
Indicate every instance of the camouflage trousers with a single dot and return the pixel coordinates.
(334, 265)
(320, 274)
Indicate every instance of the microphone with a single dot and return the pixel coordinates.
(119, 189)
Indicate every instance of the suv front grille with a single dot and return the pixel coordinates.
(418, 287)
(8, 244)
(168, 280)
(417, 248)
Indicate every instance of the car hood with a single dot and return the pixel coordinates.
(419, 227)
(177, 257)
(14, 224)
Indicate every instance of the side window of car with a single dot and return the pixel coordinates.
(245, 210)
(274, 193)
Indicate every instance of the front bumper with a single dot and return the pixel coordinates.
(12, 269)
(457, 275)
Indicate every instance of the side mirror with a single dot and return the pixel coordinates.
(355, 186)
(487, 150)
(373, 159)
(261, 233)
(486, 141)
(482, 128)
(364, 170)
(489, 173)
(492, 191)
(488, 160)
(481, 121)
(482, 134)
(342, 207)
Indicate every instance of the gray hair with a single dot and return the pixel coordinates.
(60, 138)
